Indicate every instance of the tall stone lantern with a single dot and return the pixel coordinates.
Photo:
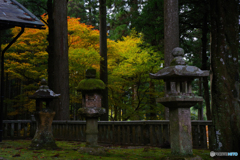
(91, 89)
(179, 98)
(43, 138)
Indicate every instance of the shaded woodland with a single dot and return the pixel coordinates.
(74, 41)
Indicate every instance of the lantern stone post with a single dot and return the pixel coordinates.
(91, 89)
(43, 138)
(179, 100)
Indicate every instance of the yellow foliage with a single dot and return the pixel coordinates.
(128, 63)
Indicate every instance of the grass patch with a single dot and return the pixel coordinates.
(17, 149)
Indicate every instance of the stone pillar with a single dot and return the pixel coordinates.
(179, 99)
(180, 131)
(43, 138)
(91, 131)
(91, 89)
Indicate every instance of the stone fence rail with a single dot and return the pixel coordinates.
(150, 132)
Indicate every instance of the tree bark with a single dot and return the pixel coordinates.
(204, 60)
(103, 54)
(171, 34)
(200, 109)
(225, 82)
(58, 73)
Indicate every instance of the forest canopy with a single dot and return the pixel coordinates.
(129, 64)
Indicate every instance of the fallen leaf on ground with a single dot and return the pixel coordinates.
(56, 155)
(16, 155)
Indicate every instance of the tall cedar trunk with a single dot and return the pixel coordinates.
(205, 58)
(90, 12)
(133, 10)
(225, 91)
(58, 77)
(103, 54)
(171, 34)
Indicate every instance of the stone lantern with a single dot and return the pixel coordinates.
(43, 138)
(179, 98)
(91, 89)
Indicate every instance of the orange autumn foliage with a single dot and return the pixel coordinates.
(128, 64)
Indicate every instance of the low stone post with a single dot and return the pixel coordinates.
(91, 89)
(179, 98)
(43, 138)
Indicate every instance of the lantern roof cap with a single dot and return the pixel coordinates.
(178, 70)
(44, 92)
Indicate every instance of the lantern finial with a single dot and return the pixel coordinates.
(91, 73)
(178, 54)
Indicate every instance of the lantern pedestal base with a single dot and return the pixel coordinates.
(43, 138)
(180, 131)
(91, 131)
(92, 114)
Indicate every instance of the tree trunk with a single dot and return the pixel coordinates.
(171, 34)
(225, 91)
(152, 98)
(103, 54)
(133, 11)
(204, 60)
(58, 73)
(200, 109)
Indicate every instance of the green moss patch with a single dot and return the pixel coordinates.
(90, 84)
(17, 150)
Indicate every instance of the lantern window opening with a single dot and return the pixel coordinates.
(83, 100)
(90, 97)
(190, 87)
(178, 87)
(185, 86)
(168, 87)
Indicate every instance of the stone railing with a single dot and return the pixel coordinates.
(15, 129)
(152, 132)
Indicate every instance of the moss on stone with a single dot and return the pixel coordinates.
(90, 84)
(173, 63)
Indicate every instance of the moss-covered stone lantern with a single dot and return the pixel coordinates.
(43, 138)
(179, 98)
(91, 89)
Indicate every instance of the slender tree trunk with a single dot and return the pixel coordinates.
(115, 113)
(171, 34)
(103, 54)
(133, 10)
(200, 109)
(153, 115)
(135, 102)
(225, 82)
(58, 73)
(205, 59)
(90, 12)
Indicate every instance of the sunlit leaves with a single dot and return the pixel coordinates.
(129, 65)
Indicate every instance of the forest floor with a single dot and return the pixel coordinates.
(17, 149)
